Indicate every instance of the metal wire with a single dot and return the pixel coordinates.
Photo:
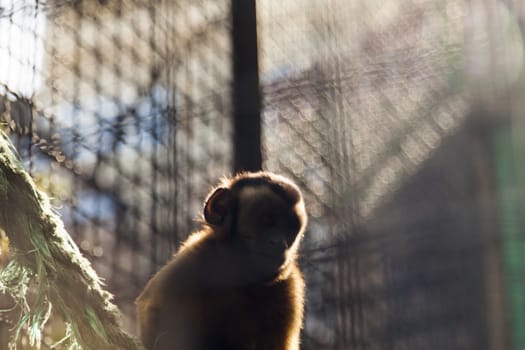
(386, 113)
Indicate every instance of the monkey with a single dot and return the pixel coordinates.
(235, 283)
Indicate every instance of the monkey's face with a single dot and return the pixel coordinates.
(268, 227)
(263, 219)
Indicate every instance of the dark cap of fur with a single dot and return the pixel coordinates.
(280, 185)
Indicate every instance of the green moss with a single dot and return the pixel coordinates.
(45, 257)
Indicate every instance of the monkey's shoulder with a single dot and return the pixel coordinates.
(182, 273)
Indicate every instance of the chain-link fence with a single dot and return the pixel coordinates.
(386, 113)
(119, 110)
(399, 121)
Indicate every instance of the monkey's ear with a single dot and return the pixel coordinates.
(218, 206)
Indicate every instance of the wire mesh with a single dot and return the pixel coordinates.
(384, 113)
(393, 117)
(123, 121)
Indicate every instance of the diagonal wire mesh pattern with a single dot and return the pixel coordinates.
(399, 121)
(379, 104)
(118, 108)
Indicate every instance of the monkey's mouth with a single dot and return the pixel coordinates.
(274, 258)
(271, 254)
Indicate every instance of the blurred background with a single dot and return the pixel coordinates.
(402, 121)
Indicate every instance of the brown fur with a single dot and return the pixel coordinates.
(235, 283)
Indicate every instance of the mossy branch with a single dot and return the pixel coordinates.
(45, 257)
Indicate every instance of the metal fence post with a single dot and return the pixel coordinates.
(246, 91)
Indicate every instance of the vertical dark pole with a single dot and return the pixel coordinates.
(246, 93)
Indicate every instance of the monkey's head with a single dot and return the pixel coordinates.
(262, 217)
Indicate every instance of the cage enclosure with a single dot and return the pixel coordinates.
(401, 121)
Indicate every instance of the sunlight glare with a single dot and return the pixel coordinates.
(22, 25)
